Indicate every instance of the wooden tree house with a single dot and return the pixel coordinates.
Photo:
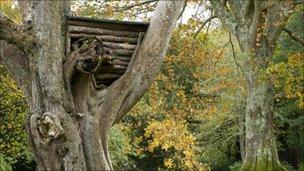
(118, 42)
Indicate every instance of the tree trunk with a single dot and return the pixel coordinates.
(260, 142)
(53, 129)
(69, 119)
(242, 130)
(257, 25)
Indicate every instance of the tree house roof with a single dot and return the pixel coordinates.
(108, 24)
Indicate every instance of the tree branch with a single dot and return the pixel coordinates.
(15, 45)
(135, 5)
(294, 37)
(226, 16)
(298, 2)
(246, 8)
(204, 24)
(16, 63)
(13, 35)
(26, 8)
(234, 55)
(281, 11)
(256, 22)
(184, 8)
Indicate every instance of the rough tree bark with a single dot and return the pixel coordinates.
(257, 25)
(68, 124)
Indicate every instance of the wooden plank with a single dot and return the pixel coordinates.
(101, 31)
(108, 24)
(108, 76)
(107, 38)
(109, 70)
(113, 45)
(123, 58)
(118, 51)
(119, 62)
(119, 67)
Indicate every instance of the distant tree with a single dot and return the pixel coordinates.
(257, 25)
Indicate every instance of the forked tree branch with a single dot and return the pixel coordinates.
(123, 94)
(15, 61)
(226, 16)
(234, 54)
(26, 8)
(256, 22)
(282, 11)
(208, 20)
(12, 34)
(294, 36)
(15, 45)
(184, 8)
(134, 5)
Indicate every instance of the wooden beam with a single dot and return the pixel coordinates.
(116, 69)
(123, 58)
(119, 62)
(106, 38)
(118, 51)
(113, 45)
(101, 31)
(107, 76)
(108, 24)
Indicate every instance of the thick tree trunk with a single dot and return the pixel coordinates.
(260, 142)
(257, 25)
(53, 131)
(69, 119)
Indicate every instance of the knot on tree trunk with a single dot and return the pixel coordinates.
(49, 127)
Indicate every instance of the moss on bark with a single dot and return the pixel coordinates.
(263, 164)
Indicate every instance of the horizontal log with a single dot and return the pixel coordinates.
(108, 24)
(101, 31)
(113, 69)
(120, 67)
(106, 38)
(119, 62)
(117, 71)
(107, 76)
(119, 52)
(123, 58)
(119, 45)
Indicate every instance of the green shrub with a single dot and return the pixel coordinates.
(288, 166)
(301, 166)
(236, 166)
(4, 165)
(120, 148)
(13, 110)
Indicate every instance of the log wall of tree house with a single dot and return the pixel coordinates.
(120, 40)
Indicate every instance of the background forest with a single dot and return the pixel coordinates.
(192, 117)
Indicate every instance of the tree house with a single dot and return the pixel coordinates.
(118, 43)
